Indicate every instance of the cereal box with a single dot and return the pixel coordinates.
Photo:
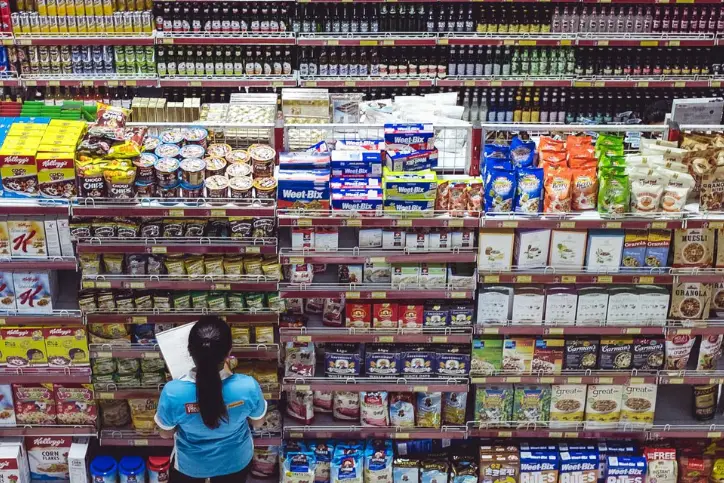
(11, 464)
(494, 403)
(603, 405)
(662, 465)
(18, 171)
(385, 315)
(33, 291)
(358, 315)
(34, 403)
(638, 403)
(487, 356)
(568, 403)
(7, 293)
(75, 404)
(495, 249)
(538, 466)
(578, 466)
(547, 356)
(4, 239)
(66, 346)
(411, 315)
(24, 346)
(518, 354)
(48, 457)
(7, 408)
(27, 238)
(499, 467)
(625, 469)
(56, 174)
(657, 248)
(531, 403)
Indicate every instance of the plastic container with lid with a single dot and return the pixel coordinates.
(159, 468)
(104, 469)
(132, 469)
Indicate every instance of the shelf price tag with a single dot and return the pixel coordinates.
(252, 250)
(505, 434)
(368, 43)
(138, 442)
(353, 222)
(174, 213)
(413, 83)
(603, 279)
(151, 355)
(555, 435)
(403, 222)
(457, 295)
(439, 339)
(105, 395)
(88, 284)
(296, 260)
(104, 355)
(304, 222)
(388, 42)
(496, 83)
(221, 286)
(139, 319)
(523, 279)
(637, 380)
(103, 284)
(556, 331)
(491, 330)
(565, 42)
(158, 249)
(352, 295)
(3, 321)
(572, 435)
(658, 225)
(527, 42)
(400, 435)
(510, 224)
(387, 339)
(350, 83)
(646, 280)
(378, 295)
(680, 84)
(491, 279)
(715, 434)
(469, 83)
(218, 212)
(642, 84)
(547, 380)
(715, 225)
(574, 380)
(419, 389)
(479, 380)
(140, 285)
(568, 279)
(443, 41)
(649, 43)
(633, 330)
(455, 223)
(303, 338)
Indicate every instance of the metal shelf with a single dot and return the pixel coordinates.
(423, 335)
(129, 437)
(34, 207)
(569, 377)
(221, 38)
(59, 375)
(80, 39)
(160, 207)
(398, 384)
(376, 255)
(151, 351)
(271, 392)
(370, 292)
(366, 82)
(427, 219)
(232, 81)
(553, 275)
(325, 427)
(88, 81)
(241, 283)
(198, 245)
(57, 317)
(36, 263)
(529, 329)
(237, 317)
(58, 430)
(582, 220)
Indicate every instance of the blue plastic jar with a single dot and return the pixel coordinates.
(105, 469)
(132, 469)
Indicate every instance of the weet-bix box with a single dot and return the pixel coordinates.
(625, 469)
(303, 189)
(538, 466)
(304, 160)
(418, 136)
(359, 145)
(578, 466)
(360, 164)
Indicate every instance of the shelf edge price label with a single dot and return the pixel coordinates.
(296, 260)
(353, 222)
(218, 212)
(556, 331)
(646, 280)
(637, 380)
(479, 380)
(603, 279)
(332, 42)
(715, 225)
(523, 279)
(388, 42)
(419, 389)
(555, 435)
(378, 295)
(304, 222)
(140, 285)
(469, 83)
(455, 223)
(574, 380)
(566, 42)
(443, 41)
(568, 279)
(88, 284)
(252, 250)
(567, 224)
(104, 355)
(491, 330)
(658, 225)
(368, 43)
(139, 319)
(439, 339)
(3, 322)
(715, 434)
(106, 395)
(413, 83)
(547, 380)
(159, 249)
(633, 330)
(175, 213)
(103, 284)
(400, 435)
(676, 380)
(377, 259)
(505, 434)
(385, 339)
(510, 224)
(151, 355)
(138, 442)
(221, 286)
(352, 295)
(303, 338)
(457, 295)
(649, 43)
(491, 279)
(350, 83)
(403, 223)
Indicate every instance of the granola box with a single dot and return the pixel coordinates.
(580, 353)
(568, 403)
(494, 403)
(518, 354)
(75, 404)
(66, 346)
(616, 353)
(638, 404)
(34, 403)
(487, 355)
(547, 356)
(603, 405)
(24, 347)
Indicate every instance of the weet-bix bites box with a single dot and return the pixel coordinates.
(625, 469)
(538, 466)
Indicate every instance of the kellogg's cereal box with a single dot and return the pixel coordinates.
(34, 403)
(7, 294)
(24, 346)
(75, 404)
(27, 238)
(66, 346)
(56, 174)
(48, 457)
(18, 171)
(33, 291)
(10, 464)
(7, 408)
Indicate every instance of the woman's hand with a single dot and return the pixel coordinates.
(166, 434)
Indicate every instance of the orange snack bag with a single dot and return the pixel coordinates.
(585, 189)
(558, 190)
(572, 141)
(547, 143)
(582, 157)
(552, 159)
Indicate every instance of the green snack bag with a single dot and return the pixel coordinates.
(613, 192)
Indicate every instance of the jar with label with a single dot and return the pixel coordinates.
(705, 399)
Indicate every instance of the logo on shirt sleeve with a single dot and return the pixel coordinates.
(235, 404)
(192, 408)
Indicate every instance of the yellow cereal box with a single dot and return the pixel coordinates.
(638, 403)
(66, 346)
(24, 347)
(4, 239)
(27, 238)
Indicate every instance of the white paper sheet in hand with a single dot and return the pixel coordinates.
(174, 349)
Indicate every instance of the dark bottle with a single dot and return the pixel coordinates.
(313, 66)
(333, 63)
(248, 62)
(363, 63)
(470, 62)
(375, 63)
(705, 401)
(441, 22)
(452, 62)
(343, 68)
(375, 22)
(430, 22)
(323, 62)
(364, 21)
(353, 69)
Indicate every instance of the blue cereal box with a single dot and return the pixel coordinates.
(406, 159)
(538, 466)
(303, 191)
(625, 469)
(419, 136)
(302, 160)
(356, 164)
(578, 466)
(418, 185)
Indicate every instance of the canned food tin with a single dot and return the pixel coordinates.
(265, 188)
(215, 166)
(262, 160)
(145, 168)
(217, 186)
(241, 187)
(167, 172)
(192, 151)
(190, 191)
(192, 171)
(236, 170)
(238, 156)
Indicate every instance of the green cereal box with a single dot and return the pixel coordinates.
(493, 403)
(532, 403)
(487, 355)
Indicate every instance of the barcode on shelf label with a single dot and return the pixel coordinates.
(252, 250)
(159, 249)
(137, 285)
(105, 395)
(491, 279)
(176, 212)
(352, 295)
(139, 320)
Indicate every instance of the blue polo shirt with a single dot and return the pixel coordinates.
(201, 452)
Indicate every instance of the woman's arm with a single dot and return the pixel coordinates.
(166, 434)
(258, 422)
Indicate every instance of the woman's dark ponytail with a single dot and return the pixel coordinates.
(209, 344)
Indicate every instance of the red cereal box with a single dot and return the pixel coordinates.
(75, 404)
(411, 315)
(358, 315)
(385, 315)
(34, 403)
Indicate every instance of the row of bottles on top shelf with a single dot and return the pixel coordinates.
(178, 17)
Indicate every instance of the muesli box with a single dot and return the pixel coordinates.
(638, 404)
(568, 403)
(34, 403)
(75, 404)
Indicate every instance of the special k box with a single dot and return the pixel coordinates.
(56, 174)
(27, 237)
(33, 291)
